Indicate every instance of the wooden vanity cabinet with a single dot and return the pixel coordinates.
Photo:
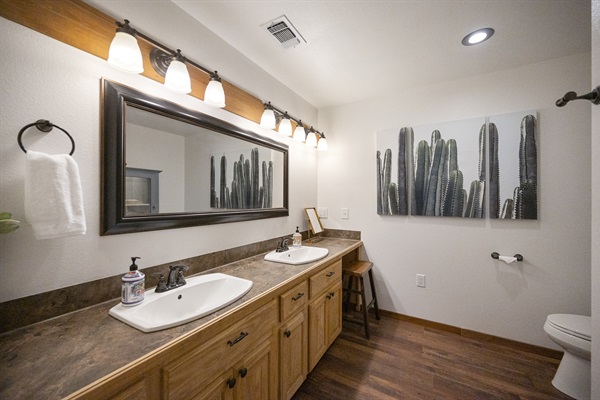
(239, 360)
(263, 351)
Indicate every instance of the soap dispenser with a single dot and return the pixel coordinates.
(297, 238)
(132, 285)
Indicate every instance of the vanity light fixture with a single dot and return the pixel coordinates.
(478, 36)
(124, 53)
(177, 77)
(299, 132)
(322, 143)
(311, 138)
(214, 94)
(285, 126)
(268, 120)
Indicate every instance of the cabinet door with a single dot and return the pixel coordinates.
(333, 312)
(256, 374)
(293, 354)
(325, 323)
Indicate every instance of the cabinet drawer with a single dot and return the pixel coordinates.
(293, 300)
(326, 277)
(190, 373)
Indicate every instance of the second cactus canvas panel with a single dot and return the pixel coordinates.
(469, 168)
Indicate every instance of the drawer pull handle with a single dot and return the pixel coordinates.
(238, 339)
(329, 275)
(298, 297)
(330, 295)
(287, 333)
(230, 383)
(243, 372)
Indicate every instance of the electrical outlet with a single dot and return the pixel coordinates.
(322, 212)
(420, 280)
(345, 213)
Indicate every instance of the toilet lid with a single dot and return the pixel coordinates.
(576, 325)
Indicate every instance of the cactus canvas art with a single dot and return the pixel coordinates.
(450, 169)
(513, 165)
(239, 180)
(393, 171)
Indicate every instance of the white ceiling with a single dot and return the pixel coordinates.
(356, 50)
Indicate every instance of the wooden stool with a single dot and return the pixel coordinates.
(357, 269)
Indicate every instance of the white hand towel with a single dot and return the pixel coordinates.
(508, 259)
(53, 197)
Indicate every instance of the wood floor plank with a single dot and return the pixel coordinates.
(406, 360)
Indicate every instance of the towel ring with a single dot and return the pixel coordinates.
(45, 126)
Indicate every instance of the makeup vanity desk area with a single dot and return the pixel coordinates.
(286, 322)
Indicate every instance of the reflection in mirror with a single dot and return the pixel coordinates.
(166, 166)
(201, 170)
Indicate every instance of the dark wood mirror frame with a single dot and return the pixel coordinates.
(115, 97)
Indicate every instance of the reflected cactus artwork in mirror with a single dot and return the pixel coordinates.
(448, 169)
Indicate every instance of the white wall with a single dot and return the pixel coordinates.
(465, 286)
(43, 78)
(595, 205)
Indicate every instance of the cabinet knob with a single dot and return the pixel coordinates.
(231, 383)
(243, 372)
(330, 295)
(329, 275)
(287, 333)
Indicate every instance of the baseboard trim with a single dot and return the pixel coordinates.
(484, 337)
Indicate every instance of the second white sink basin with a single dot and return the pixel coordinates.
(298, 255)
(201, 296)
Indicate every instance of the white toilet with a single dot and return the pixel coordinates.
(572, 333)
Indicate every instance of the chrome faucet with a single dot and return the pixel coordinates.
(174, 280)
(283, 245)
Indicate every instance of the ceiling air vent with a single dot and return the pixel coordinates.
(284, 32)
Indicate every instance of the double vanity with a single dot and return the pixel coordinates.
(260, 346)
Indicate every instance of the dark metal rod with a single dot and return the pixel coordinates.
(496, 256)
(296, 120)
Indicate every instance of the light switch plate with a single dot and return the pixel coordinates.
(322, 212)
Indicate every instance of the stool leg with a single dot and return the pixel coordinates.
(347, 298)
(364, 307)
(375, 303)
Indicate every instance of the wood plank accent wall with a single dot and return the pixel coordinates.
(80, 25)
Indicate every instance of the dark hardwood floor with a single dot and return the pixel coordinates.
(404, 360)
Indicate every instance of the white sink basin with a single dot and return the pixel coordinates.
(201, 296)
(298, 255)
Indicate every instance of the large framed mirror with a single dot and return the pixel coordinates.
(165, 166)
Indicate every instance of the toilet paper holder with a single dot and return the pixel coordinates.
(496, 256)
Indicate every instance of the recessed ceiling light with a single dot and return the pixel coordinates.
(480, 35)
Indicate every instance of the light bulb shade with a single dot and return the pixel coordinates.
(124, 53)
(177, 77)
(285, 127)
(214, 94)
(322, 144)
(311, 139)
(299, 133)
(268, 120)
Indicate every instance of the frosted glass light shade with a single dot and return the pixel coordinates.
(322, 144)
(311, 139)
(285, 127)
(214, 94)
(268, 121)
(124, 53)
(177, 78)
(299, 134)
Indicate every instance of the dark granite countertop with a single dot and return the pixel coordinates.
(54, 358)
